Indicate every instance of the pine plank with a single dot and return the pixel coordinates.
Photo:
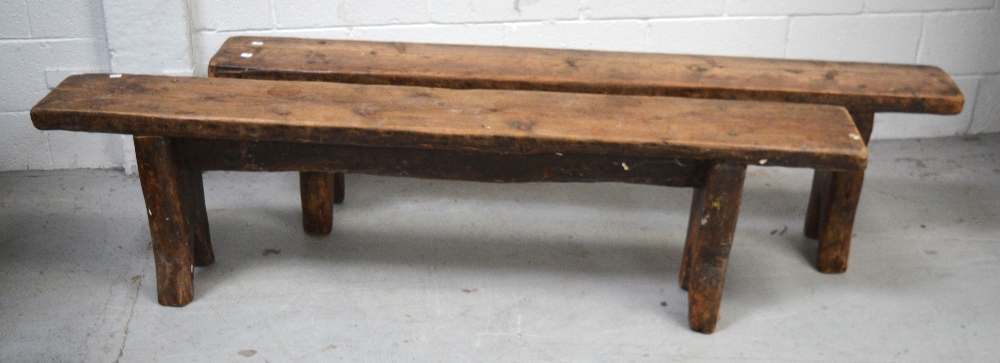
(520, 122)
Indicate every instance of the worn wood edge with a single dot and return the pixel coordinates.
(219, 66)
(945, 105)
(109, 123)
(46, 116)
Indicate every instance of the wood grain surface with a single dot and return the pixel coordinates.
(520, 122)
(172, 220)
(861, 87)
(715, 207)
(316, 190)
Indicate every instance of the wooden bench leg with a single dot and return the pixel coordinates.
(338, 188)
(715, 209)
(694, 225)
(817, 200)
(318, 195)
(833, 203)
(173, 215)
(837, 221)
(194, 204)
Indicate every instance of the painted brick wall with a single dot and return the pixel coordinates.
(41, 42)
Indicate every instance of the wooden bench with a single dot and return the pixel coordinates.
(184, 126)
(862, 88)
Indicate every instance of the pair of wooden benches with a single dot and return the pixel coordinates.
(494, 125)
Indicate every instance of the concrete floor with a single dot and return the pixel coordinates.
(423, 270)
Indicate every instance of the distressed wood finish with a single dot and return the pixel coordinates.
(858, 86)
(863, 88)
(316, 190)
(195, 207)
(166, 186)
(338, 188)
(714, 210)
(837, 221)
(511, 122)
(833, 203)
(214, 154)
(187, 125)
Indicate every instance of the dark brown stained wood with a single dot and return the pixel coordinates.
(834, 246)
(817, 200)
(166, 187)
(715, 208)
(316, 190)
(338, 188)
(214, 154)
(520, 122)
(837, 221)
(194, 204)
(857, 86)
(694, 225)
(865, 121)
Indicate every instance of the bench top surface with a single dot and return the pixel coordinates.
(865, 87)
(483, 120)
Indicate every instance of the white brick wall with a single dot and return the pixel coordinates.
(487, 34)
(793, 7)
(43, 41)
(148, 36)
(889, 6)
(22, 82)
(987, 112)
(232, 15)
(962, 42)
(298, 14)
(651, 9)
(736, 36)
(14, 17)
(618, 35)
(22, 147)
(872, 38)
(480, 11)
(65, 19)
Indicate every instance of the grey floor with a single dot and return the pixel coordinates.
(422, 270)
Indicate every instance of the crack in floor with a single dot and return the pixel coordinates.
(137, 281)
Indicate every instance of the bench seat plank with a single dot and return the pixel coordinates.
(520, 122)
(861, 87)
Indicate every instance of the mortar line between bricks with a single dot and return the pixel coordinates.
(932, 12)
(274, 18)
(920, 42)
(27, 13)
(975, 74)
(524, 22)
(40, 40)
